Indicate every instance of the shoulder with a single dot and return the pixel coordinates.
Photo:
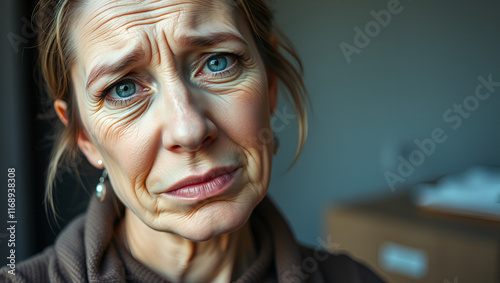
(332, 267)
(49, 265)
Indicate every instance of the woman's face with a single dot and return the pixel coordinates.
(174, 91)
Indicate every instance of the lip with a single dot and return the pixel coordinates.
(214, 182)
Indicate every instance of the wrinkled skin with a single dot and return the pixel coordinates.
(182, 119)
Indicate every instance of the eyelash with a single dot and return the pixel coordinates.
(229, 71)
(104, 94)
(116, 101)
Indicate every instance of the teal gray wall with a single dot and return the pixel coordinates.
(395, 89)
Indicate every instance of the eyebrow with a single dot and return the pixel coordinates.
(103, 69)
(138, 54)
(210, 40)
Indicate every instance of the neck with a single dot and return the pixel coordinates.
(221, 259)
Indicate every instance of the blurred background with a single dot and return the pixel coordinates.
(403, 92)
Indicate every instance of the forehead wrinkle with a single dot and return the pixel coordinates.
(109, 19)
(98, 18)
(131, 14)
(214, 17)
(220, 7)
(117, 15)
(153, 16)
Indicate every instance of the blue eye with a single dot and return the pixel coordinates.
(220, 63)
(125, 89)
(217, 64)
(218, 67)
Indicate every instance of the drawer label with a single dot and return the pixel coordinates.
(403, 260)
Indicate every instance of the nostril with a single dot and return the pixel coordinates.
(176, 147)
(207, 139)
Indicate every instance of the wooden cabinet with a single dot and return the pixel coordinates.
(406, 244)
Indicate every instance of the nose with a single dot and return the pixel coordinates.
(187, 128)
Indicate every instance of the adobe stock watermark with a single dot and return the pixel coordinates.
(310, 264)
(363, 37)
(454, 281)
(27, 33)
(279, 121)
(453, 116)
(11, 220)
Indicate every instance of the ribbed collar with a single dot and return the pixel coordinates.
(91, 253)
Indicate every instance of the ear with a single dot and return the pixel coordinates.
(84, 143)
(61, 108)
(273, 81)
(89, 150)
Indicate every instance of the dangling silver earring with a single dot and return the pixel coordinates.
(101, 187)
(276, 143)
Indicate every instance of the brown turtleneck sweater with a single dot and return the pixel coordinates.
(86, 251)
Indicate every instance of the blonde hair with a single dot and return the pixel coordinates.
(56, 54)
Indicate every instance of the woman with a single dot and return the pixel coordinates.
(172, 101)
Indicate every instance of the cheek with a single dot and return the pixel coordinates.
(128, 149)
(133, 153)
(129, 162)
(248, 126)
(246, 117)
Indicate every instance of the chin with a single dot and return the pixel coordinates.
(215, 219)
